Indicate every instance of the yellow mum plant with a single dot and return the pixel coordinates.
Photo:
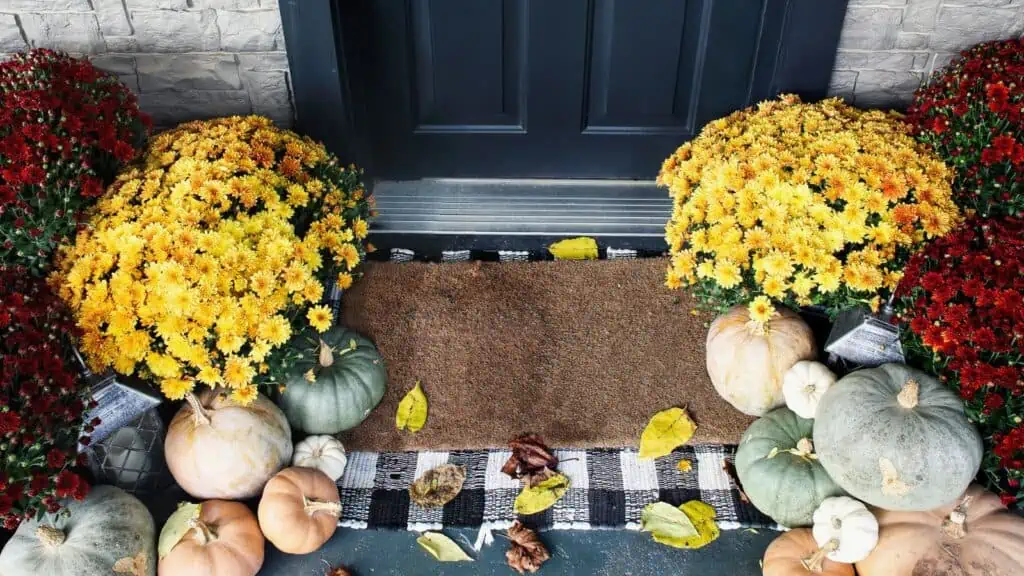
(807, 204)
(203, 259)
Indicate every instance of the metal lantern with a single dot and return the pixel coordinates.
(132, 456)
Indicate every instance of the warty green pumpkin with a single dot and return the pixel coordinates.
(110, 532)
(897, 438)
(339, 380)
(779, 470)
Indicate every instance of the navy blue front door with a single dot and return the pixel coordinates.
(569, 88)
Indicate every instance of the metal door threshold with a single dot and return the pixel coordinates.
(549, 208)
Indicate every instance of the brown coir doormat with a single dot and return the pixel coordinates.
(582, 353)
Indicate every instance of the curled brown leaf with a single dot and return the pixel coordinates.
(730, 469)
(530, 456)
(438, 486)
(526, 552)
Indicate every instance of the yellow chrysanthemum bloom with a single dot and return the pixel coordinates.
(199, 258)
(319, 318)
(803, 203)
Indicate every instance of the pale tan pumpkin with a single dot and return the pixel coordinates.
(299, 510)
(218, 449)
(974, 536)
(225, 540)
(747, 360)
(792, 552)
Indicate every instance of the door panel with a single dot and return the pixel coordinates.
(557, 88)
(476, 90)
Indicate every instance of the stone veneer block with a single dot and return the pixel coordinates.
(170, 31)
(159, 72)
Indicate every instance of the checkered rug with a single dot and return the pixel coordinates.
(610, 487)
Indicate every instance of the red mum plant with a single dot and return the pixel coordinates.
(972, 113)
(963, 301)
(65, 129)
(42, 402)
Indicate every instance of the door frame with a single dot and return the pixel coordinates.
(323, 36)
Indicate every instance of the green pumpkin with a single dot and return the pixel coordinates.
(349, 380)
(776, 464)
(897, 439)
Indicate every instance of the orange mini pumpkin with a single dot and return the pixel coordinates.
(795, 553)
(224, 540)
(299, 510)
(975, 536)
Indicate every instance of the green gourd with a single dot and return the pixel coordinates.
(339, 380)
(110, 532)
(778, 469)
(897, 438)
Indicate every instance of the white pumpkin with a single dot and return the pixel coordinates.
(217, 449)
(108, 533)
(324, 453)
(803, 386)
(746, 359)
(845, 529)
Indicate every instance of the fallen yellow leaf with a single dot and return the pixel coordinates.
(684, 465)
(667, 430)
(540, 497)
(582, 248)
(666, 522)
(442, 547)
(697, 531)
(412, 410)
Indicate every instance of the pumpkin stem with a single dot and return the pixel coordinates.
(816, 562)
(312, 506)
(956, 525)
(907, 397)
(199, 413)
(326, 354)
(206, 534)
(50, 537)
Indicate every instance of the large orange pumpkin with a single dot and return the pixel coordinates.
(792, 552)
(975, 536)
(299, 510)
(224, 540)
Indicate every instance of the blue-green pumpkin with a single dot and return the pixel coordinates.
(779, 470)
(336, 384)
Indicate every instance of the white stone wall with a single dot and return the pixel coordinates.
(186, 59)
(200, 58)
(888, 47)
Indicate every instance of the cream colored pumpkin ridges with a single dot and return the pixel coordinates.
(897, 438)
(845, 529)
(803, 386)
(325, 453)
(973, 536)
(218, 449)
(747, 361)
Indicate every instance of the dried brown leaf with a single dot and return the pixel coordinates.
(730, 469)
(530, 456)
(526, 552)
(438, 486)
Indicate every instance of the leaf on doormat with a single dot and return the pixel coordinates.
(525, 552)
(582, 248)
(730, 469)
(442, 547)
(177, 525)
(691, 525)
(702, 516)
(530, 459)
(412, 410)
(438, 486)
(684, 465)
(534, 499)
(667, 430)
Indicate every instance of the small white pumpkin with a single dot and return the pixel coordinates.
(845, 530)
(803, 386)
(324, 453)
